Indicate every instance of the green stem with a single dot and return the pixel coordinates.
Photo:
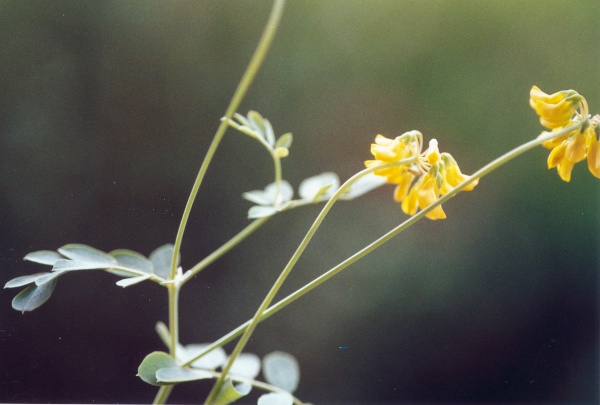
(288, 268)
(230, 244)
(232, 335)
(163, 394)
(253, 67)
(173, 290)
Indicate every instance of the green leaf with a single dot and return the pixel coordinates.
(69, 265)
(131, 260)
(285, 141)
(48, 257)
(126, 282)
(322, 184)
(210, 361)
(173, 375)
(49, 277)
(275, 398)
(267, 196)
(241, 119)
(246, 365)
(24, 280)
(230, 393)
(363, 185)
(33, 296)
(161, 260)
(281, 370)
(151, 364)
(259, 211)
(256, 122)
(269, 133)
(84, 253)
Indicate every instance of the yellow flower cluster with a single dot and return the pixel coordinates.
(560, 110)
(424, 178)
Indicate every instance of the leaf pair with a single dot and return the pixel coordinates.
(311, 190)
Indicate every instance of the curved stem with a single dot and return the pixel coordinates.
(253, 67)
(288, 268)
(232, 335)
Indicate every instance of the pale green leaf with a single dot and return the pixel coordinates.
(210, 361)
(259, 211)
(48, 257)
(69, 265)
(163, 333)
(33, 296)
(256, 122)
(230, 393)
(363, 185)
(246, 365)
(161, 260)
(173, 375)
(151, 364)
(269, 194)
(84, 253)
(131, 260)
(269, 133)
(281, 370)
(275, 398)
(24, 280)
(241, 119)
(50, 276)
(126, 282)
(322, 184)
(284, 141)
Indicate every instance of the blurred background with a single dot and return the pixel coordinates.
(107, 108)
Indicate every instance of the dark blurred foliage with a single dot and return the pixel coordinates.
(107, 108)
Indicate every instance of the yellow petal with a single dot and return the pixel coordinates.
(409, 203)
(576, 146)
(593, 157)
(403, 186)
(564, 168)
(556, 155)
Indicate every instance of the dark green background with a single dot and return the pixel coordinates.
(107, 108)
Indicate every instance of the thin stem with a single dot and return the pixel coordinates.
(288, 268)
(253, 67)
(230, 244)
(163, 394)
(173, 290)
(232, 335)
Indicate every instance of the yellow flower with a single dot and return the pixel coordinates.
(555, 110)
(387, 150)
(419, 184)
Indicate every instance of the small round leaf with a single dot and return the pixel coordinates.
(151, 364)
(281, 370)
(275, 398)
